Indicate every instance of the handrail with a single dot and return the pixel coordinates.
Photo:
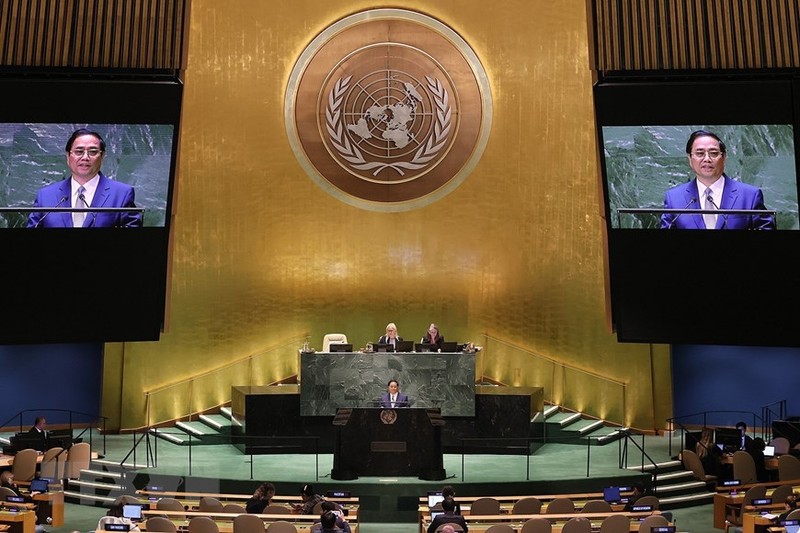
(556, 364)
(623, 458)
(705, 415)
(767, 413)
(152, 395)
(93, 418)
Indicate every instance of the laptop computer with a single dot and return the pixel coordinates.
(39, 485)
(434, 514)
(434, 497)
(449, 347)
(132, 512)
(769, 451)
(377, 347)
(423, 347)
(611, 494)
(404, 346)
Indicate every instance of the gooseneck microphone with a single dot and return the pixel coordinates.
(669, 226)
(63, 199)
(724, 215)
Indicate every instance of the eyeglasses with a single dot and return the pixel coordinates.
(91, 152)
(701, 154)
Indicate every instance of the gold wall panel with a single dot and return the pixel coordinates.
(262, 255)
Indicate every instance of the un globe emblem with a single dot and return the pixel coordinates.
(388, 110)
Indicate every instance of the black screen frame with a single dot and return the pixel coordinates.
(98, 285)
(656, 276)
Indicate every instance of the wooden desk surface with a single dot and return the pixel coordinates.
(516, 521)
(27, 519)
(224, 521)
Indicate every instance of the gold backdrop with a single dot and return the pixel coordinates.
(263, 257)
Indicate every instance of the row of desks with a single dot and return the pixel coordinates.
(480, 523)
(224, 521)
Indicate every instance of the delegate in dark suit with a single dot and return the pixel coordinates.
(109, 193)
(735, 195)
(400, 401)
(37, 439)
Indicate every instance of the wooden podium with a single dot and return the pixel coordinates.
(388, 442)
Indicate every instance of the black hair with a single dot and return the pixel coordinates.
(392, 381)
(704, 133)
(448, 505)
(83, 131)
(639, 487)
(328, 520)
(307, 490)
(327, 506)
(38, 419)
(448, 491)
(741, 424)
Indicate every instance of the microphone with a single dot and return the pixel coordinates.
(82, 198)
(63, 199)
(724, 216)
(669, 226)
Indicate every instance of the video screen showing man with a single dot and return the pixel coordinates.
(393, 397)
(711, 189)
(87, 187)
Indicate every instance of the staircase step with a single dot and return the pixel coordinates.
(227, 412)
(551, 410)
(609, 435)
(686, 500)
(676, 475)
(94, 485)
(584, 426)
(170, 435)
(115, 466)
(681, 487)
(87, 499)
(665, 466)
(218, 423)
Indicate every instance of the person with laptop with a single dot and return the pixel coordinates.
(391, 337)
(448, 516)
(393, 397)
(745, 441)
(115, 515)
(709, 454)
(433, 338)
(7, 480)
(340, 524)
(260, 499)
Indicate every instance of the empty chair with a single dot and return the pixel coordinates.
(333, 338)
(500, 528)
(210, 505)
(537, 525)
(277, 508)
(24, 465)
(248, 523)
(202, 524)
(160, 525)
(234, 508)
(788, 468)
(127, 499)
(618, 523)
(650, 522)
(780, 493)
(733, 513)
(648, 500)
(578, 525)
(692, 462)
(484, 506)
(281, 526)
(560, 506)
(456, 527)
(53, 463)
(744, 467)
(781, 445)
(171, 504)
(597, 506)
(78, 458)
(529, 505)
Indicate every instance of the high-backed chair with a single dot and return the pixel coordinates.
(500, 528)
(529, 505)
(127, 499)
(781, 445)
(203, 524)
(794, 515)
(692, 462)
(160, 524)
(277, 508)
(650, 522)
(281, 526)
(780, 493)
(744, 467)
(333, 338)
(53, 462)
(24, 465)
(210, 505)
(537, 525)
(484, 506)
(560, 506)
(234, 508)
(788, 468)
(618, 523)
(578, 525)
(78, 458)
(456, 527)
(248, 523)
(171, 504)
(597, 506)
(5, 491)
(648, 500)
(733, 513)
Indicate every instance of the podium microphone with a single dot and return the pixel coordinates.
(64, 199)
(724, 216)
(669, 226)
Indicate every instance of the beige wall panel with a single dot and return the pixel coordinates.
(263, 256)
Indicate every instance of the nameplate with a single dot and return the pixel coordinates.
(388, 446)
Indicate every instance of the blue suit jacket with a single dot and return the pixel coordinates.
(109, 193)
(402, 401)
(735, 195)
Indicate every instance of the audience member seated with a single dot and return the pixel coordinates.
(710, 455)
(790, 504)
(7, 481)
(114, 516)
(331, 507)
(433, 337)
(310, 499)
(261, 498)
(328, 520)
(638, 492)
(448, 517)
(449, 492)
(756, 450)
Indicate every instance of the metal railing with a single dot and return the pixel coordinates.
(74, 419)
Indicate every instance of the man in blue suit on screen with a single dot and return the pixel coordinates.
(712, 189)
(86, 187)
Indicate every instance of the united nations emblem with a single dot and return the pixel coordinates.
(388, 110)
(388, 416)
